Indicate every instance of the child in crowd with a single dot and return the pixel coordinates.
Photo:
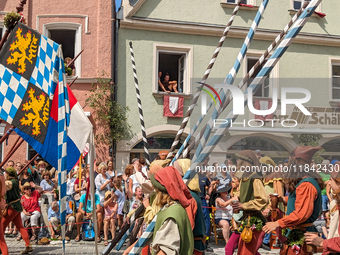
(110, 207)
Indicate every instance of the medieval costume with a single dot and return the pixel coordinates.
(274, 187)
(304, 202)
(334, 218)
(173, 229)
(252, 199)
(151, 209)
(182, 165)
(14, 208)
(331, 245)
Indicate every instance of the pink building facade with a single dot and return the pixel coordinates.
(76, 25)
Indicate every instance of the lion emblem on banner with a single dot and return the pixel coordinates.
(36, 105)
(23, 48)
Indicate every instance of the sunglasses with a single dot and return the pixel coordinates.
(27, 188)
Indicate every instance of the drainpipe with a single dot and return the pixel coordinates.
(113, 65)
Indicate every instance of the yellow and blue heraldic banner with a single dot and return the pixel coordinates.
(31, 69)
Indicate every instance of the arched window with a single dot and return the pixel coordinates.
(267, 146)
(332, 147)
(157, 143)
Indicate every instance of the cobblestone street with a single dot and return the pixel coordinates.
(72, 247)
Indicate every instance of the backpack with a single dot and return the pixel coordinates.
(43, 232)
(88, 231)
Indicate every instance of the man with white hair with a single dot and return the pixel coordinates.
(258, 154)
(54, 219)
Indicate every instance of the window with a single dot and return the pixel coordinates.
(235, 1)
(2, 30)
(297, 4)
(250, 2)
(30, 152)
(156, 143)
(66, 38)
(175, 62)
(174, 65)
(336, 81)
(69, 36)
(263, 91)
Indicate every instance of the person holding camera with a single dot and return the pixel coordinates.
(103, 182)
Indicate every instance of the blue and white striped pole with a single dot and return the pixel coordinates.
(232, 74)
(205, 77)
(269, 65)
(125, 236)
(246, 78)
(257, 82)
(230, 78)
(146, 237)
(63, 119)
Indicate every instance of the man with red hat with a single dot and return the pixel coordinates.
(305, 201)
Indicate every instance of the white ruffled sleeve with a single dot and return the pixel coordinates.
(167, 238)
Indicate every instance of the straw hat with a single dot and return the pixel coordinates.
(26, 185)
(42, 162)
(107, 194)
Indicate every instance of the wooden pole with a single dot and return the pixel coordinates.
(15, 143)
(75, 58)
(9, 131)
(72, 82)
(9, 155)
(19, 8)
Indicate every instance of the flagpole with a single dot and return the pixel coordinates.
(204, 79)
(92, 190)
(244, 81)
(19, 8)
(139, 101)
(233, 72)
(9, 131)
(9, 155)
(231, 76)
(75, 58)
(73, 82)
(63, 116)
(264, 72)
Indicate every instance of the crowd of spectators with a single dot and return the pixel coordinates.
(116, 194)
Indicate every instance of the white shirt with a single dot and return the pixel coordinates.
(225, 213)
(70, 186)
(135, 183)
(99, 181)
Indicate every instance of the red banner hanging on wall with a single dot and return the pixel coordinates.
(173, 106)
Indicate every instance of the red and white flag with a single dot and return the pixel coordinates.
(263, 105)
(173, 106)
